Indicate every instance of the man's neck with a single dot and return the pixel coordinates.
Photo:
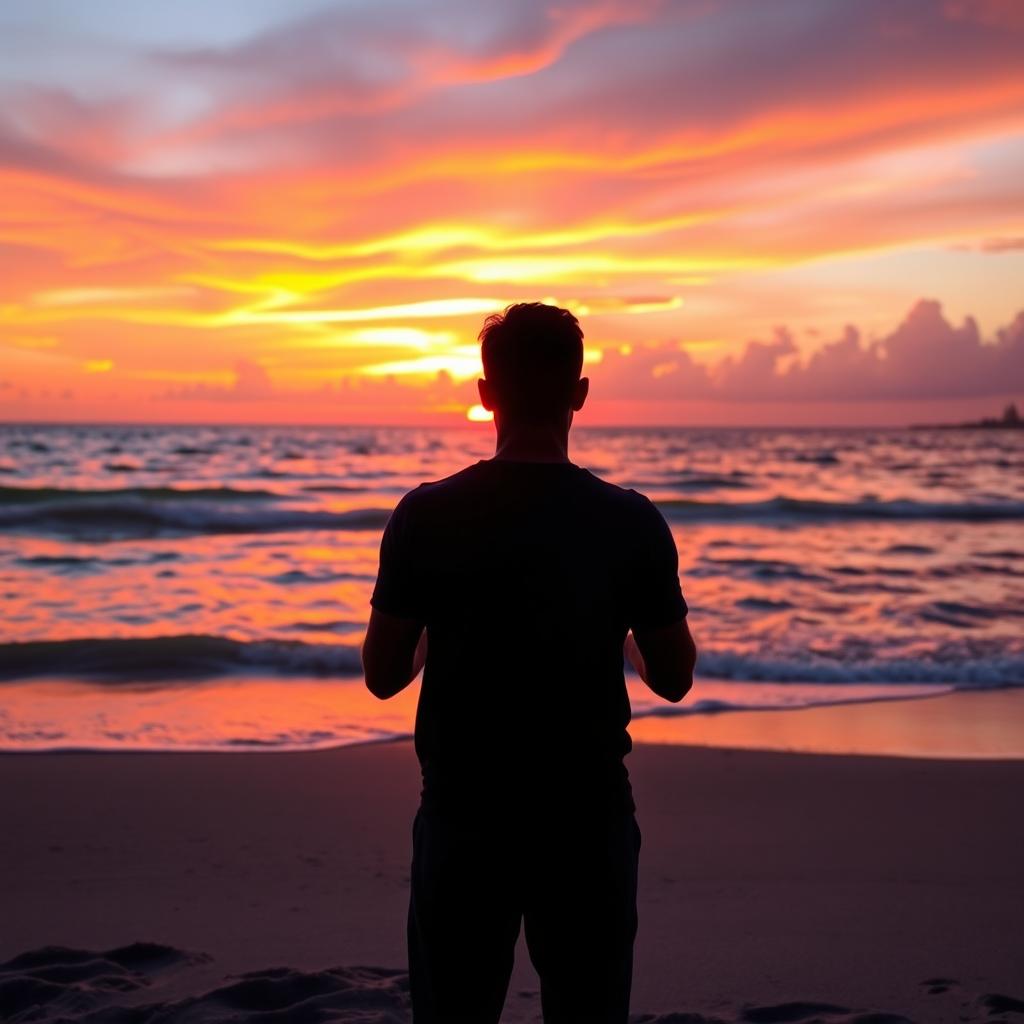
(534, 443)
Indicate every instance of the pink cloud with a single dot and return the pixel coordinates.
(925, 357)
(1002, 245)
(251, 383)
(997, 13)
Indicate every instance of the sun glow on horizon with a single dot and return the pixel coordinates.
(478, 414)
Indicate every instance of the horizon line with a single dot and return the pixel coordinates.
(467, 425)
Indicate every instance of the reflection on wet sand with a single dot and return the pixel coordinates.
(984, 724)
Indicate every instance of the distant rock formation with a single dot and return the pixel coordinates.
(1010, 420)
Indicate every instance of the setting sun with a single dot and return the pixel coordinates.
(478, 414)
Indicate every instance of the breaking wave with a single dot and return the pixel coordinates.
(169, 659)
(783, 508)
(166, 511)
(189, 657)
(122, 513)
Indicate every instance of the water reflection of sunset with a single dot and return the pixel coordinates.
(167, 568)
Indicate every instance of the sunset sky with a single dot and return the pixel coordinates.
(301, 211)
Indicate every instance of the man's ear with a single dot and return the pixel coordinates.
(580, 390)
(486, 394)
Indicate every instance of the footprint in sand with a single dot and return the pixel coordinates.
(77, 986)
(61, 982)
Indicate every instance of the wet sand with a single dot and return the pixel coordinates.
(971, 724)
(774, 886)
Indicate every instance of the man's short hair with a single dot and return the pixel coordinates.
(533, 356)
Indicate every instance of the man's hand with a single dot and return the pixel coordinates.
(394, 651)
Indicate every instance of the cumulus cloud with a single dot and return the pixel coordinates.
(925, 357)
(384, 396)
(999, 13)
(250, 383)
(251, 380)
(1001, 245)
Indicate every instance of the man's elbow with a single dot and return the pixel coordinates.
(676, 683)
(383, 688)
(677, 688)
(377, 687)
(687, 674)
(373, 684)
(378, 681)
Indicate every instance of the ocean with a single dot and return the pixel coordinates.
(206, 588)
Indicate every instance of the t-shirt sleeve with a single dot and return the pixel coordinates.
(656, 598)
(397, 590)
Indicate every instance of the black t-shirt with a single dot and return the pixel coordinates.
(527, 576)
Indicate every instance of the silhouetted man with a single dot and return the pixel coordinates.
(527, 573)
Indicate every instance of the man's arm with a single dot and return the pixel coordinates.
(660, 647)
(393, 653)
(664, 658)
(395, 647)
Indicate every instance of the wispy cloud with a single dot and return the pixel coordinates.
(179, 200)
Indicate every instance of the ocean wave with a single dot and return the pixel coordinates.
(47, 495)
(764, 604)
(783, 508)
(125, 514)
(759, 568)
(189, 657)
(167, 659)
(716, 705)
(333, 488)
(74, 564)
(990, 671)
(737, 480)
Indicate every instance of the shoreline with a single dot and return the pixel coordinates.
(959, 725)
(983, 724)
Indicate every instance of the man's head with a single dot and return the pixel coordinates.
(532, 356)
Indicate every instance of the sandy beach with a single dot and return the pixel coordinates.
(775, 886)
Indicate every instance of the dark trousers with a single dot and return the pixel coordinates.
(570, 878)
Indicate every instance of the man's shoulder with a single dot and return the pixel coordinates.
(625, 499)
(467, 484)
(613, 492)
(430, 493)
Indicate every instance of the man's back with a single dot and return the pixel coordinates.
(525, 573)
(528, 576)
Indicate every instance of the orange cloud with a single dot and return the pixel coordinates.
(671, 171)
